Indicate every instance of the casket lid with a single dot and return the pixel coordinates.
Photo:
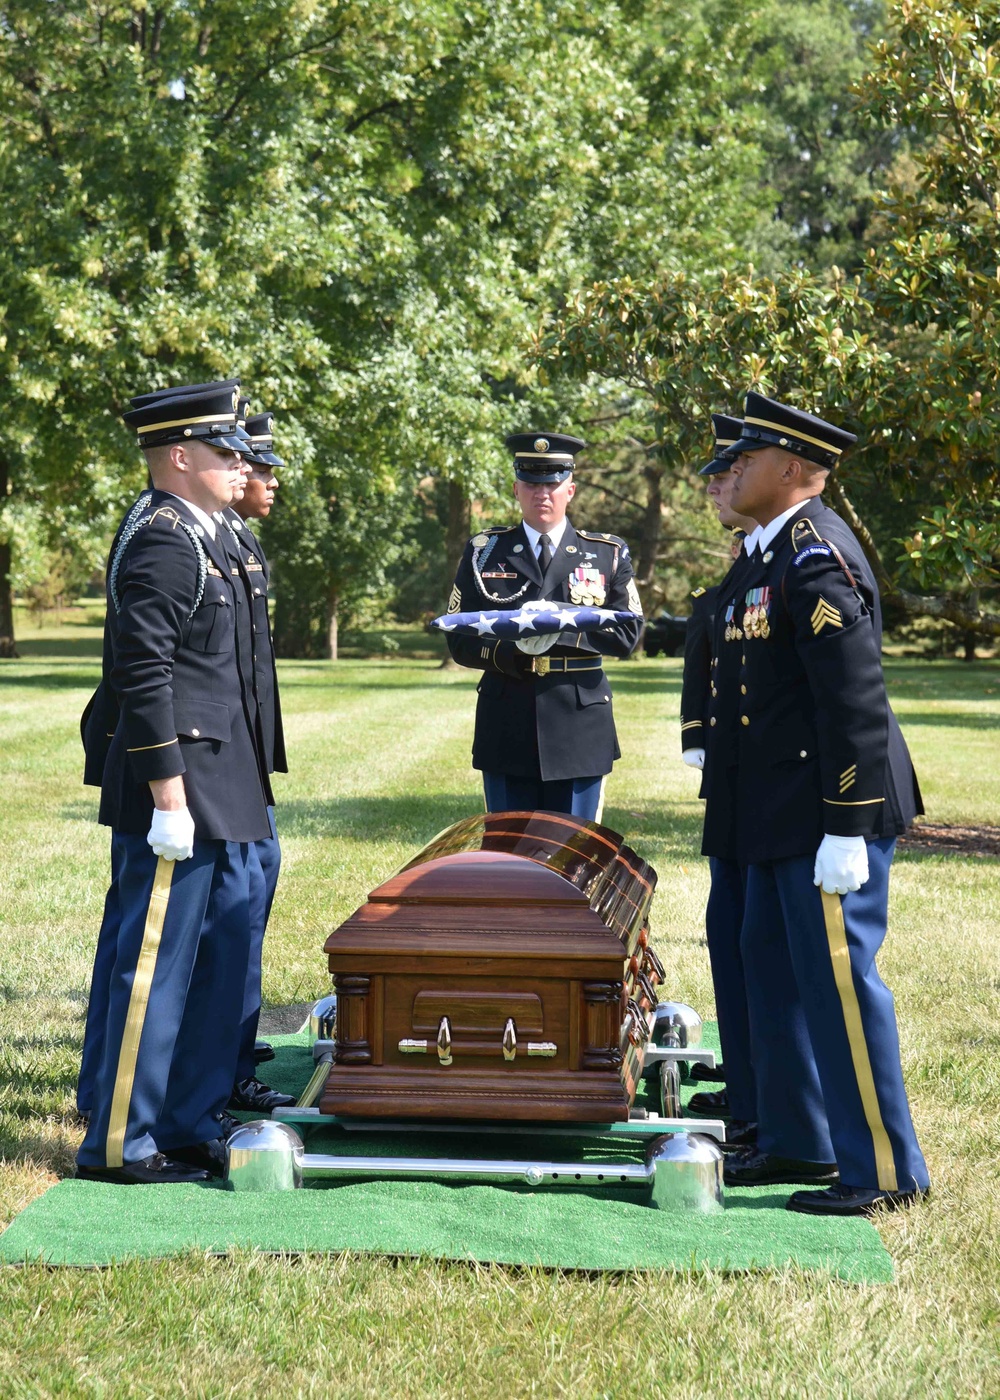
(479, 878)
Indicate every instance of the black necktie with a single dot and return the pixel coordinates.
(544, 552)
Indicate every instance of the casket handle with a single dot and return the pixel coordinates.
(647, 989)
(444, 1041)
(652, 964)
(509, 1042)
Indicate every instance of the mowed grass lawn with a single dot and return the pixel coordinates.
(380, 763)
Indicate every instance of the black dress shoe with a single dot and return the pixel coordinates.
(148, 1171)
(704, 1074)
(714, 1104)
(209, 1156)
(251, 1096)
(739, 1135)
(751, 1167)
(227, 1124)
(262, 1050)
(852, 1200)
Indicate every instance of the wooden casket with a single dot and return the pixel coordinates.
(504, 973)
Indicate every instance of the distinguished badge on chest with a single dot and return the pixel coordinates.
(587, 586)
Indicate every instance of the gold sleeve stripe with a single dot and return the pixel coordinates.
(135, 1017)
(794, 433)
(869, 802)
(600, 801)
(840, 958)
(145, 748)
(693, 724)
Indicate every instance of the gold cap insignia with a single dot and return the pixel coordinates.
(541, 444)
(236, 400)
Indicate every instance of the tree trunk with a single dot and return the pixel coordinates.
(7, 647)
(652, 522)
(459, 527)
(333, 619)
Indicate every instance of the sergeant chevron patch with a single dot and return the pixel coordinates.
(455, 601)
(824, 614)
(847, 778)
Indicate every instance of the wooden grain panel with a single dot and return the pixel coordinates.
(478, 1011)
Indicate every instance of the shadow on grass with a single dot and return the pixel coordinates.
(673, 832)
(62, 646)
(56, 1154)
(951, 719)
(52, 680)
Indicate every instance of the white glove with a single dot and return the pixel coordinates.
(535, 646)
(694, 758)
(841, 864)
(172, 834)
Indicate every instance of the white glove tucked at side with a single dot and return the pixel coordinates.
(694, 758)
(841, 864)
(171, 834)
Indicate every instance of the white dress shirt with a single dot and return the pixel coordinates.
(201, 516)
(555, 534)
(770, 530)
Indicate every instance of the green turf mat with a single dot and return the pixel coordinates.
(88, 1223)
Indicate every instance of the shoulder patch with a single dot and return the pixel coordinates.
(822, 549)
(697, 592)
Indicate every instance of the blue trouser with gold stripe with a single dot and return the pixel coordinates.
(183, 930)
(97, 1002)
(579, 797)
(723, 926)
(265, 864)
(823, 1025)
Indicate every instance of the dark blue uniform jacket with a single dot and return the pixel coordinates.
(265, 672)
(800, 711)
(553, 726)
(177, 692)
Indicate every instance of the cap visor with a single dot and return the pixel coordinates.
(270, 460)
(752, 444)
(716, 465)
(226, 442)
(543, 478)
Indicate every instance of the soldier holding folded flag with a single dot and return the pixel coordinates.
(545, 735)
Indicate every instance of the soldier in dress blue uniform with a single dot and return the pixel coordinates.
(545, 734)
(825, 785)
(185, 791)
(249, 1093)
(724, 911)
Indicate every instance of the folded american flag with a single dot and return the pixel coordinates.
(532, 619)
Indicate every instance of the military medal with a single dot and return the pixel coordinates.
(755, 619)
(587, 587)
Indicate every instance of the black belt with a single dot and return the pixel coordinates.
(543, 665)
